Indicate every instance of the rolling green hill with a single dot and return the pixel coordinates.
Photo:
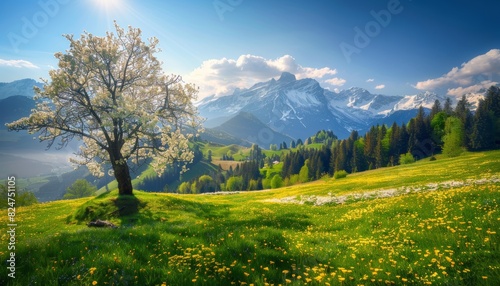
(428, 223)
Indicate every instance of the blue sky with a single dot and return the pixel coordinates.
(394, 47)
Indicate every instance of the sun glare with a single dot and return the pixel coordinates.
(107, 5)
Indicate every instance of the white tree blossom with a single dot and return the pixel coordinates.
(111, 93)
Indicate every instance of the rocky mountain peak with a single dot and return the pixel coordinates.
(287, 77)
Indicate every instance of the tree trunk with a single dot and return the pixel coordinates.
(122, 175)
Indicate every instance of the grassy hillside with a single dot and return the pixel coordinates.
(238, 152)
(431, 223)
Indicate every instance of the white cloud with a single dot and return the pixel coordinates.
(380, 86)
(222, 76)
(480, 72)
(459, 91)
(336, 81)
(18, 64)
(370, 80)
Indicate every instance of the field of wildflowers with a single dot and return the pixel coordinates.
(447, 236)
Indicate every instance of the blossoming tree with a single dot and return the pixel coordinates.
(111, 93)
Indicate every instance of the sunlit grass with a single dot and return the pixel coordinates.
(444, 237)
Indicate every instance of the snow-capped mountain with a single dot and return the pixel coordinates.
(298, 108)
(425, 99)
(360, 105)
(287, 105)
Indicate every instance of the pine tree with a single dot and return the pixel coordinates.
(448, 109)
(462, 111)
(325, 159)
(422, 127)
(483, 131)
(380, 153)
(354, 135)
(436, 108)
(256, 153)
(358, 160)
(354, 160)
(492, 101)
(341, 158)
(404, 137)
(412, 136)
(370, 144)
(394, 145)
(209, 156)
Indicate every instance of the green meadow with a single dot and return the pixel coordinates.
(439, 225)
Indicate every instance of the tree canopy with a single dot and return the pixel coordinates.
(111, 93)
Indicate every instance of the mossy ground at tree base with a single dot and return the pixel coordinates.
(110, 206)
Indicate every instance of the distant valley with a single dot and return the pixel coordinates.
(21, 153)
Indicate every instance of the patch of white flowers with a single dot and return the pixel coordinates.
(377, 194)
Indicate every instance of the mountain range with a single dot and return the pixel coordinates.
(299, 108)
(22, 87)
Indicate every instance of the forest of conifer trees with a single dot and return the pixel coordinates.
(442, 129)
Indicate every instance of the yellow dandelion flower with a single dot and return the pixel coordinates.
(94, 282)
